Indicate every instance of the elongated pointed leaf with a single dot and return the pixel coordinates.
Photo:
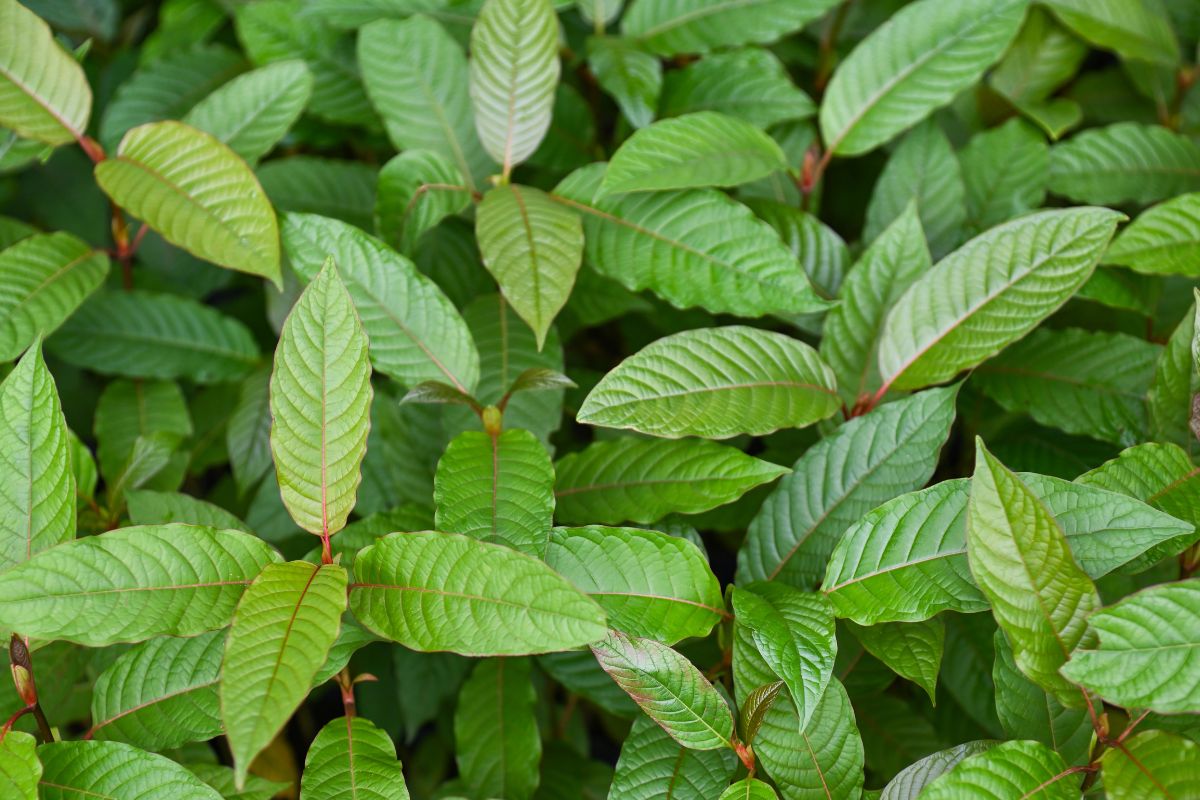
(282, 630)
(495, 731)
(197, 193)
(1164, 240)
(913, 650)
(351, 755)
(630, 75)
(439, 591)
(132, 584)
(750, 83)
(417, 190)
(653, 765)
(112, 769)
(20, 770)
(1010, 769)
(650, 584)
(1128, 161)
(909, 782)
(1161, 475)
(926, 54)
(1152, 764)
(1004, 171)
(320, 405)
(749, 789)
(1133, 30)
(716, 383)
(668, 27)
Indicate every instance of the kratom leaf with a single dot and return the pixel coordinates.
(532, 246)
(1133, 30)
(667, 27)
(129, 410)
(1125, 162)
(417, 190)
(865, 462)
(112, 769)
(320, 405)
(514, 70)
(37, 486)
(1171, 391)
(1042, 57)
(1019, 557)
(1151, 764)
(692, 248)
(496, 731)
(351, 755)
(1004, 171)
(222, 779)
(44, 94)
(705, 148)
(1149, 650)
(990, 292)
(537, 379)
(633, 77)
(282, 630)
(1164, 240)
(669, 689)
(716, 383)
(754, 708)
(197, 193)
(248, 432)
(1010, 769)
(643, 480)
(20, 770)
(132, 584)
(43, 279)
(650, 584)
(653, 765)
(161, 694)
(751, 83)
(329, 187)
(749, 789)
(926, 54)
(913, 650)
(909, 782)
(1121, 288)
(1161, 475)
(439, 591)
(496, 489)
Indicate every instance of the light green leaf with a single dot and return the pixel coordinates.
(20, 770)
(438, 591)
(926, 54)
(85, 770)
(129, 410)
(749, 789)
(417, 190)
(865, 462)
(532, 246)
(44, 94)
(705, 148)
(148, 507)
(821, 251)
(633, 77)
(415, 332)
(1161, 475)
(496, 489)
(1135, 30)
(282, 630)
(669, 689)
(1152, 764)
(652, 765)
(330, 187)
(37, 486)
(909, 782)
(197, 193)
(320, 405)
(1008, 770)
(161, 694)
(1125, 162)
(751, 83)
(1163, 240)
(514, 71)
(1149, 650)
(254, 111)
(715, 383)
(132, 584)
(913, 650)
(989, 293)
(351, 755)
(1019, 558)
(43, 279)
(643, 480)
(1004, 171)
(692, 248)
(497, 745)
(650, 584)
(668, 27)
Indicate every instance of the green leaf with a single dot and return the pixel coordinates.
(1043, 57)
(751, 83)
(439, 591)
(43, 279)
(715, 383)
(209, 202)
(692, 248)
(1137, 30)
(1149, 650)
(414, 72)
(248, 432)
(417, 190)
(320, 405)
(129, 410)
(496, 489)
(1152, 764)
(20, 770)
(1004, 171)
(148, 507)
(1019, 557)
(669, 689)
(37, 486)
(132, 584)
(1163, 240)
(282, 630)
(1121, 288)
(330, 187)
(254, 111)
(79, 770)
(1125, 162)
(350, 755)
(913, 650)
(44, 94)
(989, 293)
(643, 480)
(161, 694)
(749, 789)
(668, 27)
(497, 744)
(415, 332)
(514, 71)
(793, 631)
(141, 334)
(865, 462)
(1174, 384)
(697, 150)
(909, 782)
(1161, 475)
(222, 779)
(1010, 769)
(653, 765)
(926, 54)
(631, 76)
(532, 246)
(650, 584)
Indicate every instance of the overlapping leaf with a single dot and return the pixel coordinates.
(1159, 474)
(1128, 161)
(351, 755)
(496, 732)
(909, 782)
(913, 650)
(653, 765)
(750, 83)
(668, 27)
(1133, 30)
(114, 769)
(1152, 763)
(1010, 769)
(20, 770)
(1164, 240)
(632, 76)
(417, 190)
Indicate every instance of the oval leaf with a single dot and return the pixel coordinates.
(351, 755)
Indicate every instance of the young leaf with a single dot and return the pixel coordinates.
(754, 708)
(715, 383)
(496, 732)
(749, 789)
(652, 765)
(633, 77)
(1125, 162)
(20, 770)
(913, 650)
(751, 83)
(348, 756)
(1010, 769)
(1133, 30)
(113, 769)
(282, 630)
(1151, 764)
(197, 193)
(669, 27)
(909, 782)
(1163, 240)
(417, 190)
(320, 405)
(437, 591)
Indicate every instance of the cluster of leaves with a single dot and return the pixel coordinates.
(290, 291)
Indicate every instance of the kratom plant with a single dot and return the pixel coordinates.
(544, 400)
